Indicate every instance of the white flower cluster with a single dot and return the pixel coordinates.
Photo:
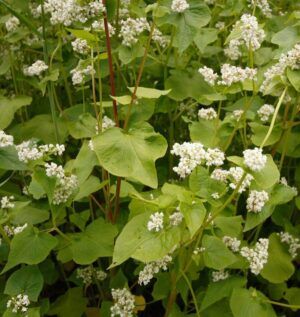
(98, 26)
(12, 230)
(290, 59)
(219, 275)
(220, 25)
(198, 250)
(19, 304)
(87, 274)
(79, 73)
(131, 29)
(152, 268)
(258, 256)
(176, 218)
(234, 74)
(80, 46)
(6, 139)
(208, 74)
(124, 303)
(156, 222)
(158, 37)
(207, 113)
(220, 175)
(12, 24)
(237, 173)
(293, 243)
(257, 200)
(65, 186)
(265, 111)
(232, 243)
(254, 159)
(36, 69)
(263, 5)
(30, 151)
(250, 34)
(124, 8)
(193, 154)
(179, 6)
(237, 114)
(7, 202)
(107, 123)
(95, 8)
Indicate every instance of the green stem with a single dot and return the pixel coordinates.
(283, 305)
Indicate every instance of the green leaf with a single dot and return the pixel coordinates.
(131, 154)
(8, 107)
(80, 219)
(32, 312)
(294, 78)
(216, 255)
(286, 38)
(204, 37)
(23, 212)
(137, 242)
(91, 185)
(230, 226)
(84, 35)
(84, 126)
(292, 295)
(205, 132)
(9, 159)
(279, 267)
(28, 280)
(259, 133)
(151, 93)
(249, 303)
(72, 303)
(29, 247)
(193, 215)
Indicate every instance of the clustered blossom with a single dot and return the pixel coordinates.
(290, 59)
(65, 186)
(236, 174)
(263, 5)
(214, 157)
(237, 114)
(179, 6)
(254, 159)
(209, 75)
(220, 25)
(156, 222)
(234, 74)
(152, 268)
(293, 243)
(6, 139)
(198, 250)
(7, 202)
(215, 195)
(107, 123)
(124, 303)
(12, 230)
(257, 200)
(219, 275)
(265, 111)
(233, 50)
(159, 38)
(220, 175)
(79, 73)
(257, 256)
(207, 114)
(131, 29)
(36, 69)
(176, 218)
(80, 46)
(87, 274)
(12, 24)
(232, 243)
(19, 304)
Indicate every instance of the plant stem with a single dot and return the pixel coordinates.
(283, 305)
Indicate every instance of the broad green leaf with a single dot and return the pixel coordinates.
(254, 219)
(27, 280)
(137, 242)
(294, 78)
(205, 132)
(259, 132)
(204, 37)
(279, 267)
(123, 100)
(30, 247)
(84, 126)
(80, 219)
(91, 185)
(216, 255)
(84, 35)
(292, 295)
(286, 38)
(24, 212)
(230, 226)
(72, 303)
(128, 54)
(193, 216)
(249, 303)
(9, 159)
(151, 93)
(131, 154)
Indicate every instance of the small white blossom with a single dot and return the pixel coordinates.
(254, 159)
(198, 250)
(80, 46)
(179, 6)
(158, 37)
(207, 114)
(237, 114)
(233, 50)
(19, 303)
(36, 69)
(234, 74)
(107, 123)
(12, 24)
(257, 200)
(86, 274)
(236, 174)
(100, 275)
(131, 29)
(263, 5)
(232, 243)
(293, 243)
(156, 222)
(257, 256)
(124, 303)
(79, 73)
(283, 181)
(219, 275)
(220, 25)
(91, 145)
(6, 139)
(209, 75)
(7, 202)
(265, 111)
(214, 157)
(176, 218)
(215, 195)
(220, 175)
(12, 230)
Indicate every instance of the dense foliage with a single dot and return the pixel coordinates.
(149, 158)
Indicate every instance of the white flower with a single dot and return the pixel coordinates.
(107, 123)
(258, 256)
(254, 159)
(6, 139)
(293, 243)
(12, 230)
(265, 112)
(12, 24)
(80, 46)
(131, 29)
(198, 250)
(219, 275)
(263, 5)
(237, 114)
(207, 114)
(215, 195)
(233, 74)
(86, 274)
(236, 174)
(7, 202)
(19, 303)
(220, 175)
(91, 145)
(79, 73)
(100, 275)
(179, 6)
(220, 25)
(36, 69)
(152, 268)
(233, 50)
(98, 26)
(124, 303)
(96, 8)
(208, 74)
(156, 222)
(158, 37)
(176, 218)
(214, 157)
(232, 243)
(256, 200)
(283, 181)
